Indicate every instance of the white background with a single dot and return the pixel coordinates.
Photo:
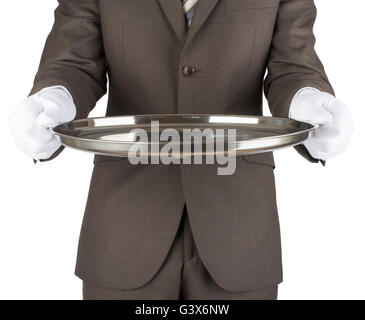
(322, 210)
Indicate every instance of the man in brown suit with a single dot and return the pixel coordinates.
(179, 231)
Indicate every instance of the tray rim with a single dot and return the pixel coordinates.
(308, 130)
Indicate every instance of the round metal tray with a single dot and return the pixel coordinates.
(112, 135)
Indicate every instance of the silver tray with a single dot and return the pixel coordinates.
(111, 135)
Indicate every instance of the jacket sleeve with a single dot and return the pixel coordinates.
(74, 56)
(293, 62)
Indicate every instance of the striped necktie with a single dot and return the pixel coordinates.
(189, 7)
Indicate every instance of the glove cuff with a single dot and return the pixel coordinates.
(59, 97)
(299, 92)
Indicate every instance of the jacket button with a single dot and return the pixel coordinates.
(188, 71)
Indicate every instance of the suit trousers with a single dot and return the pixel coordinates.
(182, 276)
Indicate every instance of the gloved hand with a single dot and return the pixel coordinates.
(335, 123)
(32, 119)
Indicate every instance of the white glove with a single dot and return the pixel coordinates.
(32, 119)
(335, 123)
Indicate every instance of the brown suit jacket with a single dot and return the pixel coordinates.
(133, 212)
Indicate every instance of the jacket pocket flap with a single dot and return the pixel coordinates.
(101, 158)
(250, 4)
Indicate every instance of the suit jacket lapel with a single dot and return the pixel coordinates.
(175, 14)
(202, 11)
